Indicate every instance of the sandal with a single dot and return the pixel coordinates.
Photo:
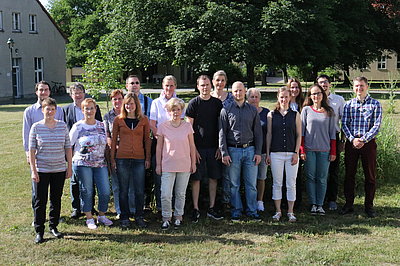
(291, 217)
(277, 216)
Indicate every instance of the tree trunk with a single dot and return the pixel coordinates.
(285, 74)
(250, 75)
(346, 80)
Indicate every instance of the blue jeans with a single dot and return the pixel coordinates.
(316, 166)
(86, 177)
(131, 173)
(115, 190)
(243, 165)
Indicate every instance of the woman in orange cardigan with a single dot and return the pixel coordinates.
(130, 155)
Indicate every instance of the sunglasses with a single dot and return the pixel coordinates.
(133, 83)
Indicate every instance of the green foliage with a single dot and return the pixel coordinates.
(391, 86)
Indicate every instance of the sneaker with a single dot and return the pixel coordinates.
(255, 217)
(104, 220)
(260, 206)
(332, 206)
(177, 224)
(212, 213)
(140, 223)
(91, 224)
(118, 216)
(277, 216)
(195, 216)
(320, 210)
(370, 213)
(314, 210)
(125, 224)
(165, 225)
(291, 217)
(235, 219)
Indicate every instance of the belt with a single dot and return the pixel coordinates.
(241, 145)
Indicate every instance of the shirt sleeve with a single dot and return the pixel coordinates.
(73, 135)
(26, 126)
(346, 119)
(303, 122)
(67, 140)
(32, 138)
(258, 135)
(190, 110)
(153, 110)
(223, 126)
(377, 120)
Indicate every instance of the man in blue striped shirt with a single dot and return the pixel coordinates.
(362, 117)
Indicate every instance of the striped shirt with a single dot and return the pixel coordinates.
(50, 145)
(362, 119)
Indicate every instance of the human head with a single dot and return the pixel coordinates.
(204, 85)
(133, 84)
(325, 82)
(174, 102)
(49, 102)
(295, 88)
(129, 97)
(219, 80)
(88, 107)
(77, 93)
(116, 97)
(169, 85)
(49, 108)
(42, 90)
(309, 100)
(283, 96)
(253, 96)
(238, 91)
(360, 87)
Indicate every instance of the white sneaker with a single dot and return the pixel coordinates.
(320, 210)
(277, 216)
(91, 224)
(314, 210)
(260, 206)
(104, 220)
(291, 217)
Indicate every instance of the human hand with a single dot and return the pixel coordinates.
(226, 160)
(257, 159)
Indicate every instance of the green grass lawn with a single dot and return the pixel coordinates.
(333, 239)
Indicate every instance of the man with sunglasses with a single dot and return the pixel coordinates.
(133, 85)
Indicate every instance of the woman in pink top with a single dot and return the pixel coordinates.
(175, 161)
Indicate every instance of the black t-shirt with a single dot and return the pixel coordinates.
(205, 114)
(131, 122)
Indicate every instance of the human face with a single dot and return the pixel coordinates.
(254, 99)
(324, 83)
(169, 87)
(43, 92)
(133, 85)
(175, 113)
(77, 96)
(117, 101)
(284, 99)
(219, 82)
(238, 91)
(360, 88)
(316, 95)
(204, 87)
(130, 107)
(89, 110)
(294, 89)
(49, 111)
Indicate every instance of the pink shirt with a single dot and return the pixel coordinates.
(176, 150)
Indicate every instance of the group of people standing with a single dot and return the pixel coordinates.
(224, 140)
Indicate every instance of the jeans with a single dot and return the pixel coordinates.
(130, 174)
(168, 181)
(316, 166)
(226, 184)
(280, 162)
(56, 183)
(242, 165)
(88, 176)
(115, 190)
(74, 190)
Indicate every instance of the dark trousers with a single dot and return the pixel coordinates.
(333, 177)
(368, 159)
(56, 183)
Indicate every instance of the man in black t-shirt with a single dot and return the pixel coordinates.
(203, 113)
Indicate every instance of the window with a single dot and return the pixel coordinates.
(382, 61)
(16, 22)
(38, 62)
(1, 20)
(32, 24)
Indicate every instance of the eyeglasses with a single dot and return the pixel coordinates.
(136, 82)
(316, 93)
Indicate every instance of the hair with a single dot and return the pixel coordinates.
(49, 102)
(170, 77)
(281, 89)
(42, 82)
(253, 90)
(76, 86)
(220, 73)
(323, 76)
(132, 76)
(174, 102)
(361, 79)
(87, 101)
(115, 92)
(299, 98)
(138, 110)
(202, 77)
(324, 102)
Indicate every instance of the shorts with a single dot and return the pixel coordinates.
(209, 167)
(262, 168)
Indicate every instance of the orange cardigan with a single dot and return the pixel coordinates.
(132, 143)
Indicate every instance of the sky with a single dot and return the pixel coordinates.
(44, 2)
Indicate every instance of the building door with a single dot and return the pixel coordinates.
(16, 76)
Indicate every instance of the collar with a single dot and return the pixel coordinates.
(365, 99)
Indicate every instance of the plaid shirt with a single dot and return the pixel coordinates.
(362, 119)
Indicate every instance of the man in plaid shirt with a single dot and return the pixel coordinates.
(362, 117)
